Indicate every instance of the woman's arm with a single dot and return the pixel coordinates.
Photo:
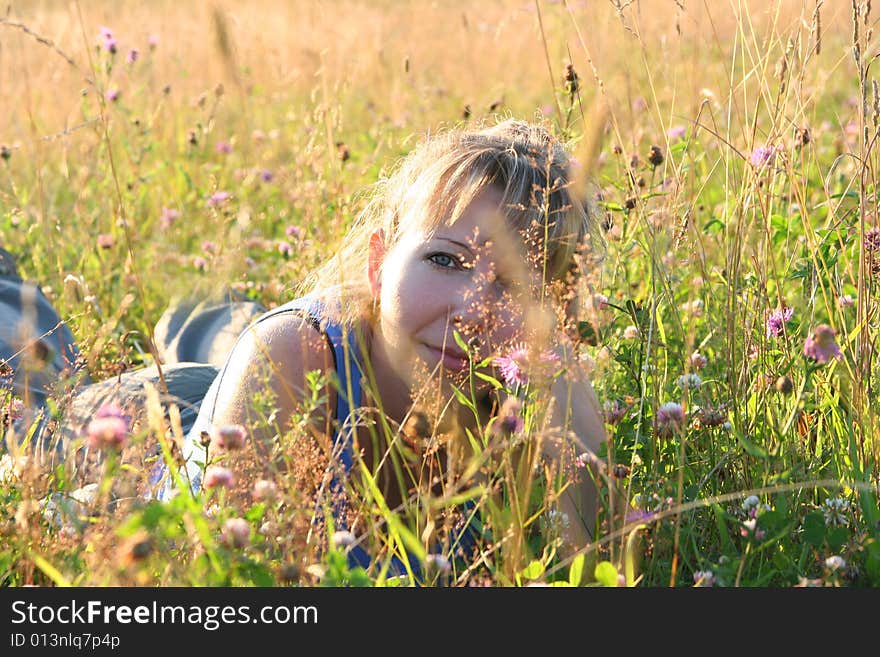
(270, 361)
(577, 416)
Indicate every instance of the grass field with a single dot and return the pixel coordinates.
(229, 143)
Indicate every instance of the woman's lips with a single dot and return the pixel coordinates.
(453, 360)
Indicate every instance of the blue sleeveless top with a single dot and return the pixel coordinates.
(346, 356)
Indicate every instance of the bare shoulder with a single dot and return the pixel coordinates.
(272, 356)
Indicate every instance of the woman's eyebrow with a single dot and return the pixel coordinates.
(469, 247)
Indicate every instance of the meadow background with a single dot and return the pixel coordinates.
(730, 147)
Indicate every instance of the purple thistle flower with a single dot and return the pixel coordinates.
(152, 41)
(777, 320)
(209, 247)
(285, 249)
(109, 429)
(762, 156)
(200, 263)
(106, 33)
(236, 532)
(112, 95)
(293, 232)
(512, 366)
(223, 147)
(168, 217)
(111, 410)
(105, 241)
(132, 56)
(613, 412)
(230, 437)
(821, 346)
(218, 198)
(217, 476)
(669, 418)
(110, 46)
(266, 175)
(698, 361)
(676, 133)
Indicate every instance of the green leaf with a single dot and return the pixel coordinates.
(837, 537)
(495, 383)
(255, 514)
(723, 530)
(463, 399)
(576, 570)
(606, 574)
(751, 448)
(49, 570)
(872, 560)
(814, 528)
(460, 342)
(533, 571)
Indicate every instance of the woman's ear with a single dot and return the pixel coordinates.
(374, 261)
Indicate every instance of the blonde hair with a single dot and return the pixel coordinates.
(437, 181)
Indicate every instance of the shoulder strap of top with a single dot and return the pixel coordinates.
(347, 362)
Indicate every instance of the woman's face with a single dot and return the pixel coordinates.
(463, 277)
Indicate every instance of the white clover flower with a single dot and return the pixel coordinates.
(704, 578)
(834, 509)
(342, 539)
(689, 381)
(835, 562)
(631, 332)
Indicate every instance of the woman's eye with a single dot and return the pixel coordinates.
(444, 260)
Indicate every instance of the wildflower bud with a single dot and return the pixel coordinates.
(289, 572)
(5, 153)
(416, 428)
(618, 149)
(343, 151)
(218, 477)
(803, 136)
(229, 437)
(655, 156)
(218, 90)
(236, 532)
(204, 438)
(570, 77)
(264, 489)
(135, 548)
(342, 539)
(620, 471)
(510, 419)
(784, 385)
(193, 138)
(630, 203)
